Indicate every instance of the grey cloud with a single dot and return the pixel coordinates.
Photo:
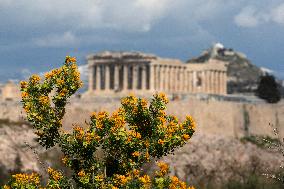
(251, 16)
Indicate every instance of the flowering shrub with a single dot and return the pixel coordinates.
(136, 133)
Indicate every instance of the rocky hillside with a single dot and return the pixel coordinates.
(242, 74)
(207, 161)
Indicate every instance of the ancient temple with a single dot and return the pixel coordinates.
(125, 72)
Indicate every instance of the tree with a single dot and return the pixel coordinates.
(138, 132)
(268, 89)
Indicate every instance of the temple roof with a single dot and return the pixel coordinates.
(121, 55)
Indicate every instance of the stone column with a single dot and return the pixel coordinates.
(219, 82)
(180, 79)
(225, 82)
(166, 78)
(190, 81)
(152, 77)
(161, 78)
(203, 82)
(207, 75)
(186, 80)
(98, 78)
(125, 77)
(215, 82)
(194, 80)
(134, 77)
(91, 78)
(170, 79)
(116, 77)
(107, 79)
(144, 78)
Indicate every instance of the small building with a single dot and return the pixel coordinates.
(125, 72)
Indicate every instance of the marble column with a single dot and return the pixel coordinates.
(98, 78)
(219, 82)
(116, 77)
(152, 77)
(166, 80)
(135, 78)
(107, 77)
(171, 79)
(194, 81)
(161, 78)
(190, 81)
(207, 81)
(125, 77)
(144, 78)
(215, 82)
(225, 82)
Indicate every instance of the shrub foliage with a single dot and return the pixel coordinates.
(138, 132)
(268, 89)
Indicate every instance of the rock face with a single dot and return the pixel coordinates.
(215, 159)
(15, 155)
(242, 74)
(20, 152)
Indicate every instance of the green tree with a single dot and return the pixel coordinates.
(268, 89)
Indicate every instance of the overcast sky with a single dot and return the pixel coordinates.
(36, 35)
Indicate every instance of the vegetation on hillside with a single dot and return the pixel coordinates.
(268, 89)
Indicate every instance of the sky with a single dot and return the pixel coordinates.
(36, 35)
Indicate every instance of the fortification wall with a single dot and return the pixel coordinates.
(232, 119)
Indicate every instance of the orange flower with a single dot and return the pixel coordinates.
(135, 154)
(185, 136)
(160, 141)
(82, 173)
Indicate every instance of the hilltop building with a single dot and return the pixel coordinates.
(124, 72)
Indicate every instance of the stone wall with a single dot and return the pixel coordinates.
(226, 118)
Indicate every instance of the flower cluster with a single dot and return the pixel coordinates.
(110, 149)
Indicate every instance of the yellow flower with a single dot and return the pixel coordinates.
(55, 175)
(102, 115)
(136, 172)
(185, 136)
(147, 143)
(135, 154)
(70, 59)
(192, 122)
(147, 156)
(160, 141)
(82, 173)
(23, 84)
(27, 178)
(164, 168)
(145, 179)
(174, 180)
(65, 160)
(44, 100)
(163, 97)
(25, 95)
(144, 103)
(34, 79)
(122, 179)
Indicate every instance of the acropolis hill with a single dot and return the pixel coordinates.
(196, 89)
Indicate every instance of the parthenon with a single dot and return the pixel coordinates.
(124, 72)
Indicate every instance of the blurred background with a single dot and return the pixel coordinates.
(243, 38)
